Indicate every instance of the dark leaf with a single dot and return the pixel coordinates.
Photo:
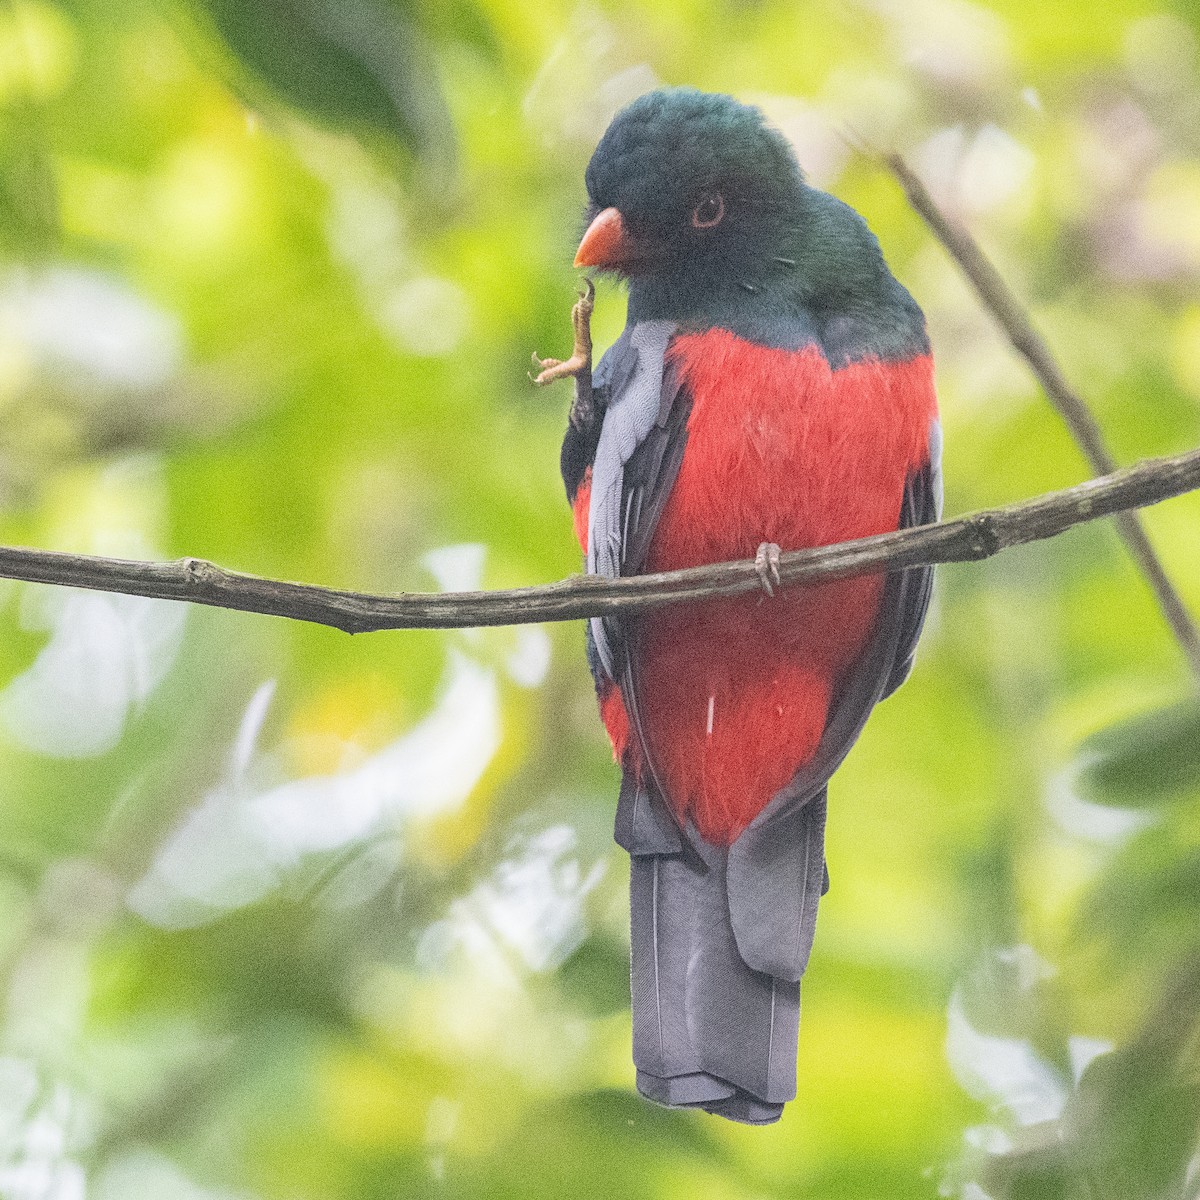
(358, 65)
(1151, 758)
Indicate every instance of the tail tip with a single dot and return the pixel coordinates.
(710, 1093)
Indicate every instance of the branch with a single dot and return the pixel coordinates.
(965, 539)
(999, 300)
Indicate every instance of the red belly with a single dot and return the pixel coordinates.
(735, 693)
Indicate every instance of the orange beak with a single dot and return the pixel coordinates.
(606, 244)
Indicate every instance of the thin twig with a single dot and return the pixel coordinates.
(999, 300)
(965, 539)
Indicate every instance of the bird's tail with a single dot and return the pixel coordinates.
(719, 937)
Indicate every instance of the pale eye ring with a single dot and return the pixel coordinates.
(709, 212)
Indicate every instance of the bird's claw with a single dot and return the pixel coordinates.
(547, 370)
(766, 567)
(580, 362)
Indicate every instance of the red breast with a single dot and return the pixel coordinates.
(781, 448)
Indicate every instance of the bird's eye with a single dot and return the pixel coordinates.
(709, 211)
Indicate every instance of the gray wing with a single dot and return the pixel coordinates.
(632, 374)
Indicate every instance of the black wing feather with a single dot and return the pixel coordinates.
(651, 472)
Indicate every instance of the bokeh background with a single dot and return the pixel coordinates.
(289, 915)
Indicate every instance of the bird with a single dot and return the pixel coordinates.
(772, 390)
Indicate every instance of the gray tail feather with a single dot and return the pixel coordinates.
(712, 1028)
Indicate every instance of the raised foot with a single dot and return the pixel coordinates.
(580, 362)
(766, 567)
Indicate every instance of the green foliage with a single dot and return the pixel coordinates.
(289, 914)
(361, 67)
(1146, 760)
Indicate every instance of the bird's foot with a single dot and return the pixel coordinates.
(580, 362)
(766, 567)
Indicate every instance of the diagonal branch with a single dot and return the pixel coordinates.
(999, 300)
(965, 539)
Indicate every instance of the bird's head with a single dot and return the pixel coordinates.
(702, 207)
(690, 190)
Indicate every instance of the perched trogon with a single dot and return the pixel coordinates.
(773, 388)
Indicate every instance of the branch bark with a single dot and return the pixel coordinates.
(966, 539)
(1004, 307)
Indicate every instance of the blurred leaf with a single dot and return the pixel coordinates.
(596, 976)
(1151, 893)
(1151, 758)
(458, 21)
(361, 65)
(28, 197)
(1129, 1130)
(1139, 1113)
